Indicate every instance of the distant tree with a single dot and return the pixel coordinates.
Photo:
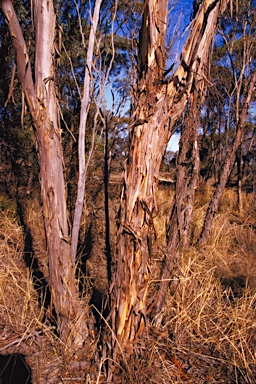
(186, 181)
(244, 161)
(236, 62)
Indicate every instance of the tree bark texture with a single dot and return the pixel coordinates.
(42, 102)
(159, 105)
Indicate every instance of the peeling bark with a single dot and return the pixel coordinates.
(159, 105)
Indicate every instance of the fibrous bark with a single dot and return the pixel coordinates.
(159, 105)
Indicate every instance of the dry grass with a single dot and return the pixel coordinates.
(210, 323)
(17, 297)
(212, 326)
(209, 332)
(21, 327)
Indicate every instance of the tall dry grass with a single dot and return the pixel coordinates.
(22, 329)
(209, 331)
(209, 328)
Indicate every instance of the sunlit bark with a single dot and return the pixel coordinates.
(159, 105)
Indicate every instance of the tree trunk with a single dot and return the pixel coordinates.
(188, 171)
(239, 179)
(42, 102)
(106, 202)
(215, 201)
(159, 104)
(83, 165)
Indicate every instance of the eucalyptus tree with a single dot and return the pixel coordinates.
(159, 103)
(39, 86)
(53, 93)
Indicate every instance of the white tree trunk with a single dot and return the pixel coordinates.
(82, 127)
(41, 99)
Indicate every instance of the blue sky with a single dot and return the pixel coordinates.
(173, 144)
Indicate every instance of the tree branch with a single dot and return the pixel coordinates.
(82, 126)
(22, 57)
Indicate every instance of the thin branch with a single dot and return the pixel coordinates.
(22, 57)
(64, 121)
(12, 87)
(82, 127)
(73, 72)
(80, 23)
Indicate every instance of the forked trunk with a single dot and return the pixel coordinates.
(159, 104)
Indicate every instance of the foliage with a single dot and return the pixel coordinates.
(232, 65)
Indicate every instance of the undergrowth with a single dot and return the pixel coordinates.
(208, 333)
